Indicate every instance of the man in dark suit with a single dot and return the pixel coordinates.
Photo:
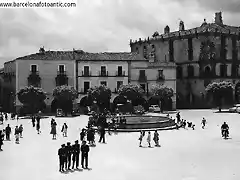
(102, 134)
(69, 154)
(76, 152)
(61, 155)
(84, 149)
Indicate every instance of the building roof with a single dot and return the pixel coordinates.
(81, 55)
(205, 27)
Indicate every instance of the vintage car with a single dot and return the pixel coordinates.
(235, 108)
(59, 113)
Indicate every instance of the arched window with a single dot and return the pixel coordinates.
(179, 72)
(190, 70)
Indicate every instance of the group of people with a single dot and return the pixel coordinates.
(155, 138)
(69, 156)
(36, 121)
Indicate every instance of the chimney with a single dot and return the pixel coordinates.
(166, 30)
(218, 18)
(181, 26)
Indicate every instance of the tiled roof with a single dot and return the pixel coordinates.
(49, 55)
(207, 27)
(81, 55)
(110, 56)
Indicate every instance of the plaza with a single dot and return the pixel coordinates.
(185, 154)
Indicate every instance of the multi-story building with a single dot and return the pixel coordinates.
(46, 69)
(210, 52)
(110, 69)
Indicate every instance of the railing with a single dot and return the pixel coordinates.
(119, 73)
(160, 78)
(34, 73)
(142, 78)
(86, 73)
(103, 73)
(62, 73)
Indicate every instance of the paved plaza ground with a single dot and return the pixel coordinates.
(183, 155)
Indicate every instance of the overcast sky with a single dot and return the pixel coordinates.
(102, 25)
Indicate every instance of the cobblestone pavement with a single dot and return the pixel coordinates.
(183, 155)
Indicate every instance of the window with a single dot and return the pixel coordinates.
(61, 68)
(103, 83)
(86, 86)
(86, 70)
(120, 71)
(33, 68)
(179, 72)
(223, 71)
(143, 86)
(142, 73)
(190, 70)
(119, 83)
(190, 49)
(160, 73)
(207, 72)
(137, 50)
(234, 49)
(171, 51)
(103, 71)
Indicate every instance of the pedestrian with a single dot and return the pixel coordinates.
(38, 124)
(102, 134)
(16, 133)
(1, 118)
(33, 120)
(69, 155)
(156, 138)
(6, 116)
(52, 121)
(149, 139)
(140, 138)
(20, 129)
(76, 152)
(204, 121)
(61, 154)
(8, 131)
(64, 130)
(1, 139)
(54, 130)
(82, 134)
(193, 126)
(84, 149)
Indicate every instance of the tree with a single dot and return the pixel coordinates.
(131, 91)
(162, 93)
(32, 97)
(65, 96)
(102, 95)
(219, 91)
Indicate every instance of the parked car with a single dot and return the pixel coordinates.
(154, 108)
(235, 108)
(59, 113)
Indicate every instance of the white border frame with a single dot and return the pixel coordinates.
(61, 65)
(33, 65)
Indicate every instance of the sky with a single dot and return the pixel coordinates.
(102, 25)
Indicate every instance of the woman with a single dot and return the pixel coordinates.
(16, 133)
(64, 130)
(156, 138)
(54, 130)
(141, 138)
(149, 139)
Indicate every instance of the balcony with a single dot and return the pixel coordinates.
(34, 79)
(103, 73)
(142, 78)
(120, 74)
(61, 78)
(160, 78)
(86, 73)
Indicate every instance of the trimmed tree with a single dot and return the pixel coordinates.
(32, 98)
(65, 96)
(219, 91)
(162, 93)
(131, 91)
(102, 95)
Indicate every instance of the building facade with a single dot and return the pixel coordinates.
(46, 69)
(210, 52)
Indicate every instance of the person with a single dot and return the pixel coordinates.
(61, 154)
(52, 121)
(1, 118)
(224, 128)
(64, 130)
(204, 121)
(16, 133)
(149, 139)
(8, 131)
(178, 117)
(69, 155)
(84, 149)
(33, 121)
(6, 116)
(20, 129)
(102, 134)
(193, 127)
(140, 138)
(1, 139)
(38, 124)
(82, 134)
(54, 130)
(76, 152)
(156, 138)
